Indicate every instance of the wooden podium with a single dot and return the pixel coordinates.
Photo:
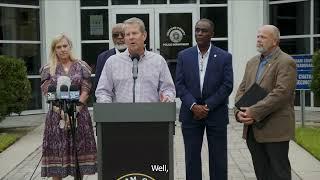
(135, 140)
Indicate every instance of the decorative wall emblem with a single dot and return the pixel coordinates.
(176, 34)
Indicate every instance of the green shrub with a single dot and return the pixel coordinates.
(315, 83)
(15, 89)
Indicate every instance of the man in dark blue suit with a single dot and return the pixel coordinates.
(204, 81)
(119, 46)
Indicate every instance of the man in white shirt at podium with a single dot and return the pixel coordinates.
(152, 81)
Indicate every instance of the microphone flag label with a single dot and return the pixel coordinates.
(64, 95)
(51, 96)
(74, 95)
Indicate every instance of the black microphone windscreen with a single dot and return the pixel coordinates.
(64, 92)
(51, 94)
(74, 92)
(64, 88)
(135, 56)
(51, 88)
(74, 88)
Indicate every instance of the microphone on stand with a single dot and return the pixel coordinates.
(64, 96)
(63, 84)
(62, 80)
(69, 94)
(51, 95)
(135, 58)
(74, 93)
(74, 99)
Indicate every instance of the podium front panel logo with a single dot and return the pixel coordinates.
(136, 176)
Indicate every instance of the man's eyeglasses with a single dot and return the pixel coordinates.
(117, 34)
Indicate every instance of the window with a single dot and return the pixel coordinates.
(153, 1)
(219, 16)
(291, 18)
(19, 24)
(221, 44)
(316, 44)
(213, 1)
(294, 46)
(94, 24)
(21, 2)
(20, 38)
(29, 53)
(182, 1)
(94, 3)
(122, 2)
(90, 52)
(316, 17)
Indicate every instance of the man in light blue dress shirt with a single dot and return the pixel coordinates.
(154, 82)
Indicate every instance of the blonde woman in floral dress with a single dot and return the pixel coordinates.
(58, 156)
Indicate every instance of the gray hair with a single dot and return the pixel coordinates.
(137, 21)
(275, 31)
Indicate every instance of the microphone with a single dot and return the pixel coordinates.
(64, 92)
(51, 95)
(74, 98)
(64, 96)
(63, 84)
(62, 80)
(135, 58)
(74, 93)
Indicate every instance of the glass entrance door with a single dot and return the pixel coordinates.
(169, 30)
(174, 29)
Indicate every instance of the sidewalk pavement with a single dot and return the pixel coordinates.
(19, 160)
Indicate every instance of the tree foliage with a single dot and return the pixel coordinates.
(15, 89)
(315, 83)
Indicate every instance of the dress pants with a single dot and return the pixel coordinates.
(217, 146)
(270, 160)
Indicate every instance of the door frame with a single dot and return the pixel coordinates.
(150, 11)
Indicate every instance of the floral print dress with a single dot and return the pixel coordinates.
(58, 157)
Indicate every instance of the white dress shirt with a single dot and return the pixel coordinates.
(203, 61)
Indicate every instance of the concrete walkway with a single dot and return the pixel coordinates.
(19, 160)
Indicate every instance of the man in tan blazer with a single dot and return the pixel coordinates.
(274, 71)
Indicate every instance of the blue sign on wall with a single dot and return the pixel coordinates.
(304, 71)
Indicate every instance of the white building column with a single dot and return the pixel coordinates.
(244, 17)
(60, 16)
